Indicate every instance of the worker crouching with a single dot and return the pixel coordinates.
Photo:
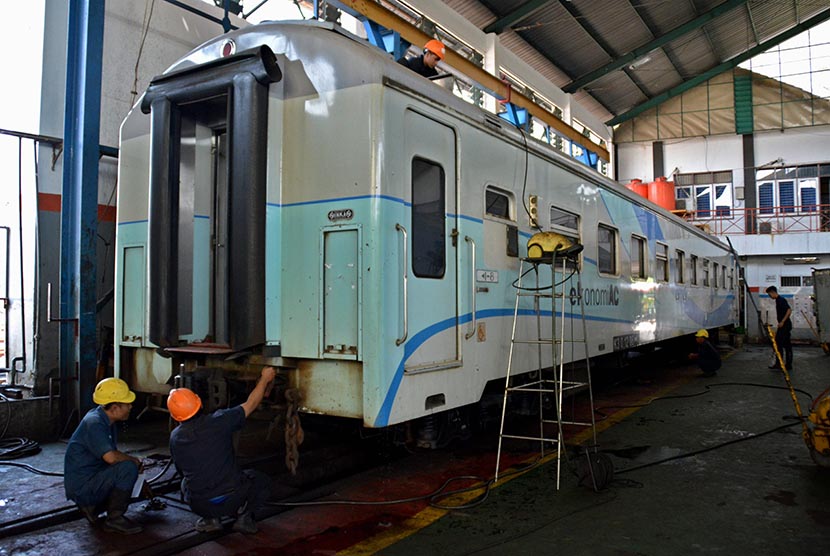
(96, 475)
(707, 356)
(202, 450)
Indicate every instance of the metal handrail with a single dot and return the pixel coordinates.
(472, 331)
(761, 220)
(405, 273)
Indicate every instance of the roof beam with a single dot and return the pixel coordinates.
(490, 83)
(675, 33)
(720, 68)
(515, 16)
(578, 19)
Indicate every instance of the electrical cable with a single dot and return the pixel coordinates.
(432, 498)
(706, 389)
(709, 448)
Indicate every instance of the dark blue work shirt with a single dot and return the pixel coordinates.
(94, 437)
(781, 308)
(418, 66)
(202, 449)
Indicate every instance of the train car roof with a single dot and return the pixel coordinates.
(312, 65)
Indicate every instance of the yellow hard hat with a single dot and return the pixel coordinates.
(702, 333)
(183, 403)
(436, 47)
(112, 390)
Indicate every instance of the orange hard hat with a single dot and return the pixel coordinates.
(436, 47)
(183, 403)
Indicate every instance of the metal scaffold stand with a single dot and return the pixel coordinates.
(541, 371)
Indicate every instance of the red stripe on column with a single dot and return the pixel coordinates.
(51, 202)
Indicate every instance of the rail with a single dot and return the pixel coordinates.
(783, 219)
(405, 285)
(472, 243)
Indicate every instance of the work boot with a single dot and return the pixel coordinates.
(116, 506)
(208, 524)
(90, 513)
(245, 524)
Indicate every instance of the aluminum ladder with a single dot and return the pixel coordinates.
(548, 304)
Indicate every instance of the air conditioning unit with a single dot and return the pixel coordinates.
(765, 227)
(684, 204)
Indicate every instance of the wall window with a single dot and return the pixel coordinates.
(661, 262)
(498, 203)
(693, 269)
(606, 249)
(680, 267)
(707, 193)
(638, 258)
(794, 189)
(428, 214)
(791, 281)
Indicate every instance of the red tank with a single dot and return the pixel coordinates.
(638, 187)
(661, 192)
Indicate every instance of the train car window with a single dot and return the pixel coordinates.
(661, 262)
(567, 224)
(705, 273)
(693, 269)
(639, 271)
(606, 249)
(715, 275)
(723, 277)
(731, 278)
(680, 268)
(498, 203)
(428, 214)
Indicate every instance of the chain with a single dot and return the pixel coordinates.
(294, 434)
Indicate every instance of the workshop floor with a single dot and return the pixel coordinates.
(760, 496)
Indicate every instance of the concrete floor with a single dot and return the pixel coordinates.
(761, 496)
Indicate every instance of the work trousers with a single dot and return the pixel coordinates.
(254, 490)
(95, 491)
(785, 346)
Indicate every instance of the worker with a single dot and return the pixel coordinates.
(96, 474)
(425, 64)
(707, 356)
(202, 450)
(783, 312)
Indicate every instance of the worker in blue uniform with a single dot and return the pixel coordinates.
(202, 450)
(707, 356)
(96, 474)
(783, 313)
(424, 64)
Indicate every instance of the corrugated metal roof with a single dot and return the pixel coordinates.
(581, 36)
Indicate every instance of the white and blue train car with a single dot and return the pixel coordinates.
(290, 195)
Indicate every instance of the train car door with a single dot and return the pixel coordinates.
(433, 282)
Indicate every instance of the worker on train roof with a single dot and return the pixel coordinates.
(202, 450)
(425, 64)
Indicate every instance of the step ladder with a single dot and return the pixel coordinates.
(554, 304)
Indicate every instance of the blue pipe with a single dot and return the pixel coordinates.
(79, 204)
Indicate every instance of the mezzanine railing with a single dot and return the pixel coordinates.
(763, 220)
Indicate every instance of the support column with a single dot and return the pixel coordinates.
(750, 191)
(79, 204)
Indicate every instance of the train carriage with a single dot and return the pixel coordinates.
(289, 195)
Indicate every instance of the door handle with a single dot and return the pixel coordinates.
(472, 243)
(405, 284)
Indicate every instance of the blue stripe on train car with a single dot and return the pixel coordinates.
(418, 339)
